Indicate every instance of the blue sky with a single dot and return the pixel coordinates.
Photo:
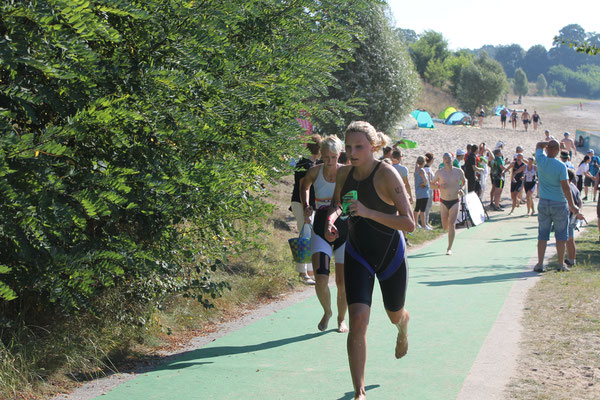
(472, 24)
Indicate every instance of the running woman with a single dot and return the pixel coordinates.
(530, 183)
(322, 178)
(375, 245)
(516, 180)
(450, 180)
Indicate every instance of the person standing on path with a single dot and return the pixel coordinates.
(497, 171)
(555, 202)
(375, 244)
(322, 178)
(583, 170)
(450, 180)
(421, 192)
(594, 172)
(484, 155)
(402, 170)
(427, 168)
(516, 180)
(530, 183)
(471, 170)
(302, 167)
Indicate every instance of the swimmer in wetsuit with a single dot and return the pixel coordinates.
(516, 180)
(322, 177)
(375, 245)
(450, 180)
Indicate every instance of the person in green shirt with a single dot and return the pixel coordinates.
(497, 171)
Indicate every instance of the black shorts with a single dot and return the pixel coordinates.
(498, 182)
(516, 186)
(359, 276)
(580, 182)
(421, 204)
(529, 186)
(525, 122)
(503, 118)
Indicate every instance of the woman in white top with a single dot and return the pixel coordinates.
(583, 170)
(322, 178)
(530, 183)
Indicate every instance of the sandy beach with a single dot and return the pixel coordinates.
(558, 115)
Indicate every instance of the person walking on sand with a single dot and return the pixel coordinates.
(530, 184)
(555, 202)
(526, 118)
(313, 146)
(503, 115)
(536, 120)
(322, 178)
(450, 181)
(375, 245)
(569, 144)
(513, 119)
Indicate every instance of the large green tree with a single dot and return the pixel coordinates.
(431, 47)
(381, 74)
(511, 58)
(126, 126)
(536, 61)
(521, 83)
(482, 82)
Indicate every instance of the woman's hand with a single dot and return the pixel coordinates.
(308, 212)
(358, 209)
(331, 232)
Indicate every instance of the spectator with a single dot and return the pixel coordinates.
(594, 172)
(471, 169)
(571, 249)
(555, 202)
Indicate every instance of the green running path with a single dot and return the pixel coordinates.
(453, 301)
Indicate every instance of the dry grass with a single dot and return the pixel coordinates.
(434, 100)
(560, 351)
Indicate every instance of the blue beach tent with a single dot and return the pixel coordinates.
(423, 119)
(458, 118)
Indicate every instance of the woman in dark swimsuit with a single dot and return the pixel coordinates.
(516, 182)
(375, 245)
(536, 119)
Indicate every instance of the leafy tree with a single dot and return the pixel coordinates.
(430, 46)
(584, 82)
(511, 58)
(437, 73)
(521, 84)
(536, 61)
(409, 36)
(480, 83)
(127, 126)
(541, 84)
(455, 64)
(572, 48)
(381, 74)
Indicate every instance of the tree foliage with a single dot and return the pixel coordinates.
(541, 84)
(431, 47)
(480, 83)
(381, 75)
(521, 84)
(129, 128)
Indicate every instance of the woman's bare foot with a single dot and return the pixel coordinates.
(402, 340)
(361, 395)
(342, 327)
(324, 322)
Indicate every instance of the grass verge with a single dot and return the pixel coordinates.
(561, 346)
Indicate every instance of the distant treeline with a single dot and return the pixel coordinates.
(567, 72)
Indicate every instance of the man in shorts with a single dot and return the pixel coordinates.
(569, 145)
(503, 115)
(555, 202)
(526, 118)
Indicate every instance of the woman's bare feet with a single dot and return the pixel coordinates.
(342, 327)
(402, 340)
(324, 322)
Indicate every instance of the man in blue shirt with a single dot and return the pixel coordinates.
(555, 202)
(594, 169)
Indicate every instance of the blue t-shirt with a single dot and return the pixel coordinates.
(550, 172)
(402, 170)
(594, 165)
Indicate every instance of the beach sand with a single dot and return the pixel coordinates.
(558, 115)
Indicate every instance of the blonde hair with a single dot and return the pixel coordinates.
(377, 139)
(332, 143)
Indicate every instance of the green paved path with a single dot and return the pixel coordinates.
(453, 301)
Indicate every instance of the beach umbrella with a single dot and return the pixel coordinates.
(407, 144)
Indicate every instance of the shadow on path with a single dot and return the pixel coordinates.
(350, 395)
(483, 279)
(182, 360)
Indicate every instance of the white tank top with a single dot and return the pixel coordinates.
(323, 190)
(529, 174)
